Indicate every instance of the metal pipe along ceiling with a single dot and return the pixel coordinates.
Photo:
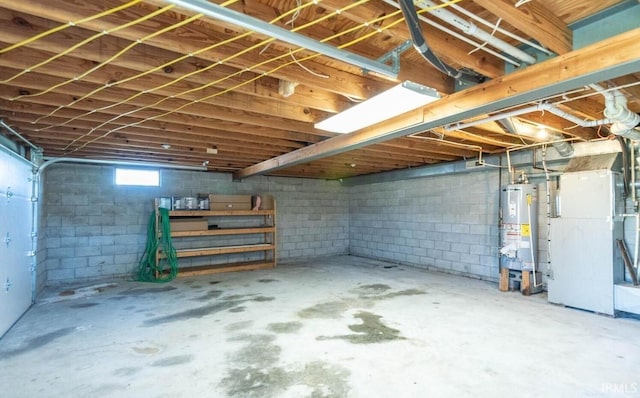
(236, 18)
(472, 30)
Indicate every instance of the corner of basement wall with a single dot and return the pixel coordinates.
(440, 223)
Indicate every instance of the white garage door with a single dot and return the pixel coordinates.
(16, 248)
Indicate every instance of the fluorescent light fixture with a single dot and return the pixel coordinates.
(393, 102)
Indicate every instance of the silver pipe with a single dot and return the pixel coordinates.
(244, 21)
(12, 131)
(499, 29)
(472, 30)
(540, 107)
(50, 161)
(457, 35)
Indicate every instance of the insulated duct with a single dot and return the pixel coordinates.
(413, 23)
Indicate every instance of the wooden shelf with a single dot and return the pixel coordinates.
(218, 268)
(224, 231)
(214, 213)
(260, 223)
(212, 251)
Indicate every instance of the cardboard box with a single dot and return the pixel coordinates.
(229, 202)
(191, 224)
(266, 202)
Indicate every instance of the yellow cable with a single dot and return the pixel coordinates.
(69, 24)
(192, 73)
(155, 69)
(118, 54)
(366, 24)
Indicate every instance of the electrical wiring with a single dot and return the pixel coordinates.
(69, 24)
(78, 45)
(359, 39)
(185, 76)
(222, 79)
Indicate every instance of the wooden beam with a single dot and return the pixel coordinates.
(578, 68)
(535, 21)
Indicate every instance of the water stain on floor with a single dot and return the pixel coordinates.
(284, 327)
(370, 331)
(327, 310)
(234, 327)
(238, 309)
(261, 299)
(173, 361)
(124, 372)
(192, 313)
(37, 342)
(375, 288)
(238, 296)
(211, 294)
(146, 350)
(407, 292)
(255, 372)
(267, 280)
(83, 305)
(150, 290)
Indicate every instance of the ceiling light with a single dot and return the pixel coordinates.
(212, 150)
(166, 146)
(393, 102)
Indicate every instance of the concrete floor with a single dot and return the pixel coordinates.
(337, 327)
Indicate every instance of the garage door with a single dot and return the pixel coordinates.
(16, 250)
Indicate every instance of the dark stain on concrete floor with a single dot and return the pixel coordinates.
(37, 342)
(150, 290)
(198, 312)
(173, 361)
(83, 305)
(267, 280)
(211, 294)
(376, 288)
(327, 310)
(370, 331)
(261, 299)
(284, 327)
(255, 372)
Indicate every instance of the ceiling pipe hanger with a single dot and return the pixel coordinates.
(244, 21)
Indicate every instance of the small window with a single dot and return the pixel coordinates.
(149, 178)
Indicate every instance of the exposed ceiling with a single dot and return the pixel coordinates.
(150, 81)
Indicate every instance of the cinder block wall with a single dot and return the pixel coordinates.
(446, 222)
(95, 229)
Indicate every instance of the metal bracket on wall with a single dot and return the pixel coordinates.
(7, 285)
(9, 194)
(393, 56)
(7, 239)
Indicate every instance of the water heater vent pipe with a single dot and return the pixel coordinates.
(624, 122)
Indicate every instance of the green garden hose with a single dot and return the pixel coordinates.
(166, 268)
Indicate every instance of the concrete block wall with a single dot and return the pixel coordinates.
(96, 230)
(447, 223)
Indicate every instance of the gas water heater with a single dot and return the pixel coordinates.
(519, 227)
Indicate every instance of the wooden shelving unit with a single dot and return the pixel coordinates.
(266, 228)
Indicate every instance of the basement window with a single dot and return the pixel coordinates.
(147, 178)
